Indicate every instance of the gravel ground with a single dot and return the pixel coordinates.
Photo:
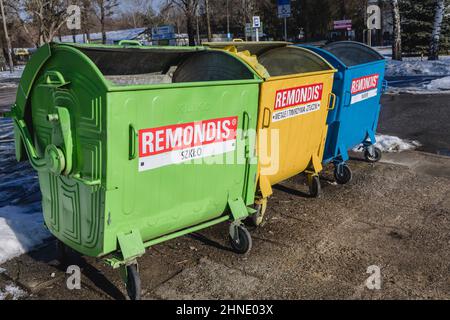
(394, 215)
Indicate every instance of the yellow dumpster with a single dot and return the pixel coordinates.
(294, 103)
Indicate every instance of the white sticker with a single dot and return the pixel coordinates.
(175, 144)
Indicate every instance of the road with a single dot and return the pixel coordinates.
(425, 118)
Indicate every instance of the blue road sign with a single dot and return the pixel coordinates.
(284, 8)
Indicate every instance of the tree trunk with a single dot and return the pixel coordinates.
(8, 41)
(85, 20)
(102, 22)
(437, 27)
(397, 45)
(190, 30)
(208, 21)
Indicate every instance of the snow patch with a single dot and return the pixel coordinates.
(17, 73)
(412, 75)
(21, 220)
(390, 144)
(439, 84)
(418, 67)
(12, 292)
(20, 231)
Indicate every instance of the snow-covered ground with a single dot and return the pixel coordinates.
(392, 144)
(439, 84)
(417, 75)
(21, 230)
(418, 67)
(17, 73)
(11, 80)
(21, 223)
(11, 292)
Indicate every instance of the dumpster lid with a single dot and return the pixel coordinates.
(278, 58)
(118, 60)
(255, 48)
(140, 65)
(353, 53)
(292, 60)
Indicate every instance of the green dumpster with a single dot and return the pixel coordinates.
(138, 145)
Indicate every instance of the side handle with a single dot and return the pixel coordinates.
(267, 118)
(132, 142)
(332, 101)
(55, 79)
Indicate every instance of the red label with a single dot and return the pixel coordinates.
(298, 96)
(182, 136)
(365, 83)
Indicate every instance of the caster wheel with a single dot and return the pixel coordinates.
(241, 241)
(314, 187)
(133, 282)
(377, 154)
(258, 218)
(342, 174)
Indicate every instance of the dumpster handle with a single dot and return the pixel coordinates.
(264, 125)
(332, 105)
(55, 78)
(130, 43)
(132, 149)
(54, 159)
(43, 164)
(21, 130)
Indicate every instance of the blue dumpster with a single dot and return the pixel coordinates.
(358, 85)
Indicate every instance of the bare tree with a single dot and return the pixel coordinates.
(189, 8)
(140, 11)
(208, 20)
(437, 27)
(397, 45)
(86, 12)
(42, 19)
(104, 10)
(8, 41)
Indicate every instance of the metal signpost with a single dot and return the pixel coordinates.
(284, 12)
(250, 32)
(256, 26)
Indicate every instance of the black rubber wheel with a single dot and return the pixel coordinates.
(343, 174)
(314, 187)
(372, 159)
(133, 282)
(243, 243)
